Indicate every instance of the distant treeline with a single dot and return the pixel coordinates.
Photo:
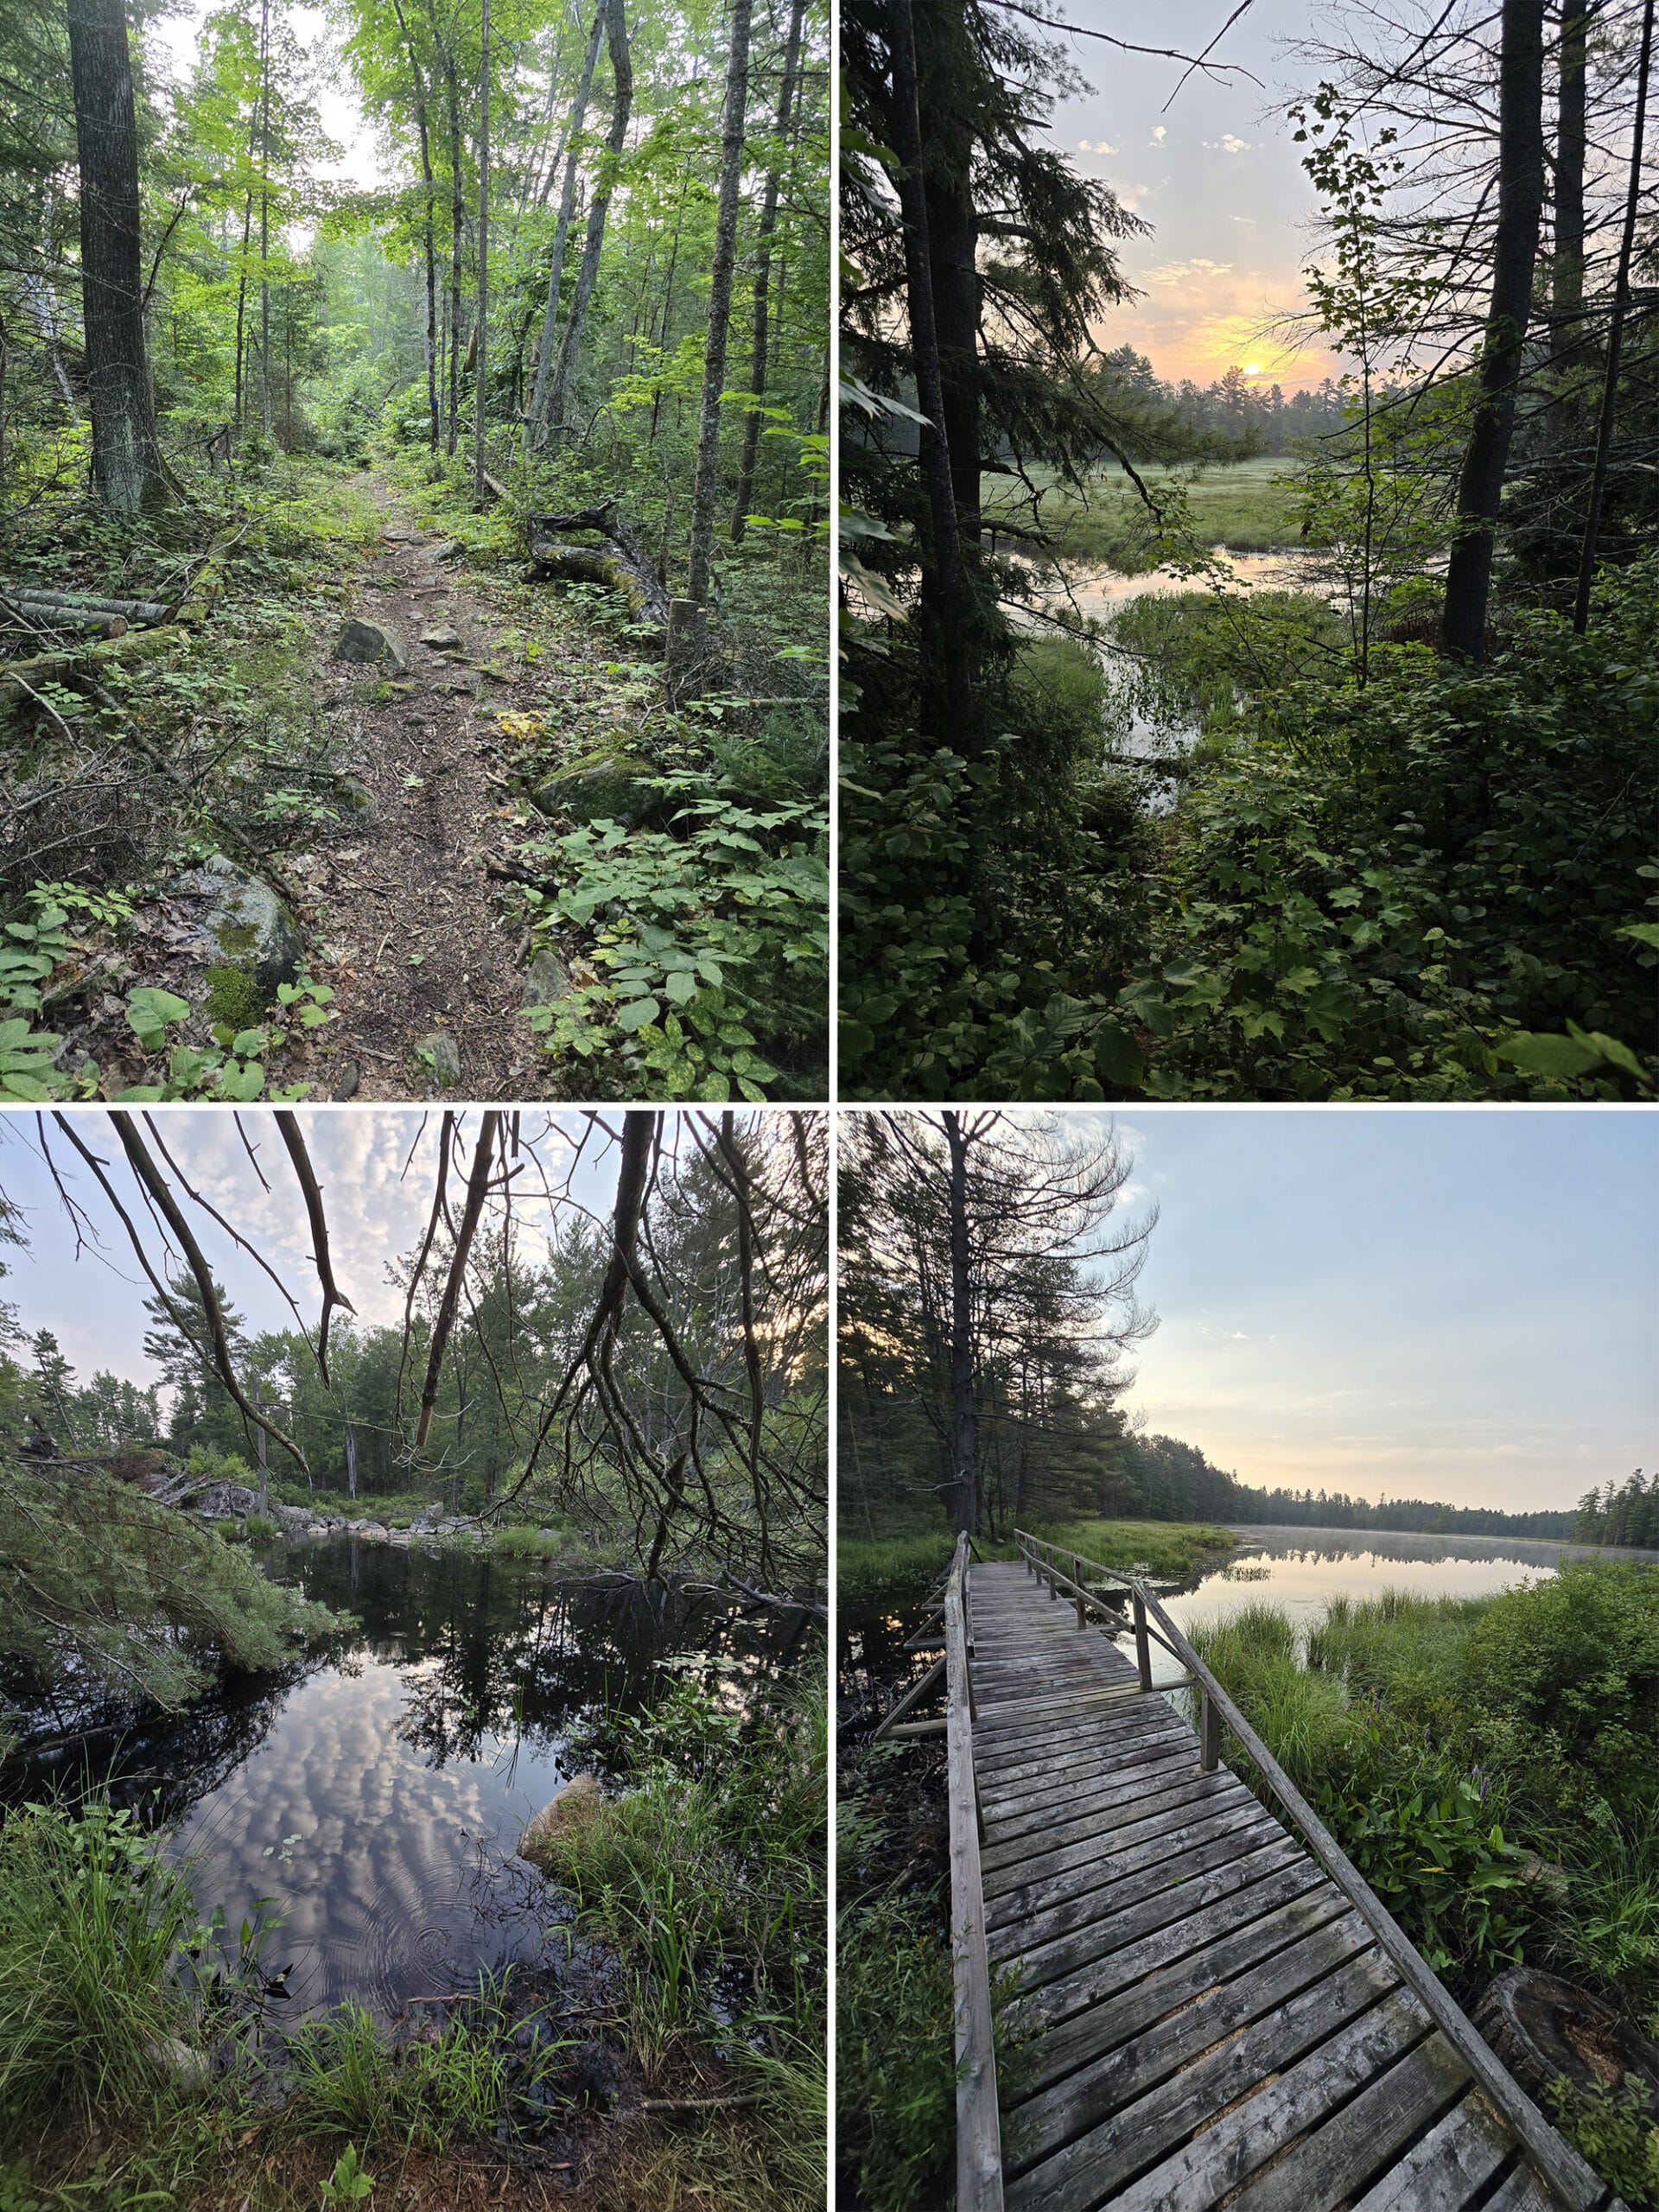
(1235, 418)
(1167, 1480)
(1626, 1515)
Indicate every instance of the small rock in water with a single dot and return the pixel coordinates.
(190, 2067)
(370, 642)
(440, 1051)
(571, 1806)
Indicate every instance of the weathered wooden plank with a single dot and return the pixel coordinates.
(1447, 2170)
(1147, 1900)
(1170, 2147)
(1170, 1785)
(1341, 2155)
(1520, 2191)
(1151, 1977)
(1106, 1768)
(1096, 2091)
(979, 2146)
(1087, 1889)
(1047, 1758)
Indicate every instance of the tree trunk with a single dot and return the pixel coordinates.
(418, 76)
(537, 409)
(1567, 260)
(1520, 211)
(127, 472)
(483, 334)
(265, 219)
(1615, 335)
(964, 1414)
(264, 1470)
(763, 279)
(945, 707)
(351, 1456)
(616, 30)
(706, 484)
(953, 241)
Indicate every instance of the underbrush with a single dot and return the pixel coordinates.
(707, 1877)
(1492, 1767)
(1437, 884)
(119, 781)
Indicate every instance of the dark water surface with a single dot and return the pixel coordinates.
(377, 1790)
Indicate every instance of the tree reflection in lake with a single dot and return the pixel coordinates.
(376, 1790)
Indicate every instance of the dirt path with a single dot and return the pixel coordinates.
(405, 925)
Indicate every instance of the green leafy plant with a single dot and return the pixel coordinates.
(348, 2183)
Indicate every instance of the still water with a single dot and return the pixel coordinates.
(376, 1790)
(1300, 1570)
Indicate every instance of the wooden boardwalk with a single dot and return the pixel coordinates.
(1204, 2016)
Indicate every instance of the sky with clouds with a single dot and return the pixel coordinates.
(376, 1174)
(1458, 1303)
(1214, 172)
(1461, 1304)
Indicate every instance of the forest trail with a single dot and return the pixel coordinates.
(406, 926)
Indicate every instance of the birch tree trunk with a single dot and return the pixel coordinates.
(706, 484)
(537, 409)
(616, 32)
(1520, 213)
(763, 277)
(127, 471)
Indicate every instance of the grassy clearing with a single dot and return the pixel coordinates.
(1247, 506)
(894, 1572)
(1491, 1765)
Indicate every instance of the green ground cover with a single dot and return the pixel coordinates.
(1246, 505)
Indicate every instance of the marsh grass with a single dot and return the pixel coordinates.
(1244, 506)
(352, 2079)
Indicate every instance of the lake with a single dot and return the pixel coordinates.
(376, 1790)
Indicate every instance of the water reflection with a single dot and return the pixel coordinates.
(376, 1790)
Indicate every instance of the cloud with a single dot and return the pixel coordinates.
(1231, 145)
(1187, 272)
(1159, 135)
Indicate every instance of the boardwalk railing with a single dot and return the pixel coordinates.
(1555, 2158)
(979, 2128)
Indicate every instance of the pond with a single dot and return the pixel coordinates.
(376, 1790)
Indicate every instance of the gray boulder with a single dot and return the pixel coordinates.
(601, 786)
(439, 1050)
(257, 936)
(546, 978)
(372, 643)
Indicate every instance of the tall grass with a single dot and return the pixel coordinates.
(95, 1923)
(350, 2079)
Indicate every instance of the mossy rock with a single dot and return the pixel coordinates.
(572, 1808)
(605, 785)
(259, 942)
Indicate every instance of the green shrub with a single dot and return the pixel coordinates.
(1615, 2130)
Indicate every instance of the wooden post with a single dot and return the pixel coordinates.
(1142, 1649)
(1209, 1732)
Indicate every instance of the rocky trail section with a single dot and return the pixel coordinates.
(407, 928)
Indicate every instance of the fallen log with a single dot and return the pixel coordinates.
(41, 621)
(83, 602)
(619, 563)
(17, 681)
